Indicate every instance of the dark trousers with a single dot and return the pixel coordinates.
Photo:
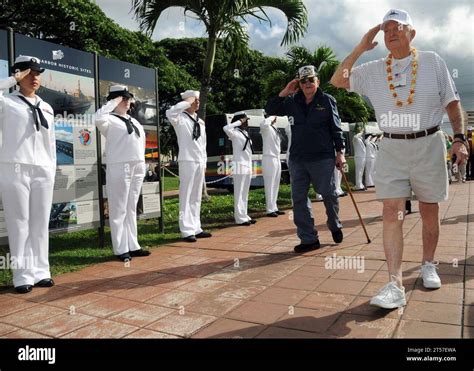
(320, 174)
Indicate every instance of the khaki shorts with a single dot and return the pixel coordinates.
(418, 165)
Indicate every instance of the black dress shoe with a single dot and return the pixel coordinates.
(252, 221)
(272, 215)
(337, 236)
(203, 234)
(24, 289)
(305, 247)
(124, 257)
(343, 194)
(47, 282)
(191, 238)
(280, 212)
(139, 252)
(244, 223)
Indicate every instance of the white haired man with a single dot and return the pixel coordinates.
(411, 157)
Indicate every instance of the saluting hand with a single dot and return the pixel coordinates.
(20, 75)
(367, 43)
(190, 100)
(291, 88)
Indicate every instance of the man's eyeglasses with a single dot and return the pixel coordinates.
(304, 80)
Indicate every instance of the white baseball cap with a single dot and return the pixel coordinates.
(398, 15)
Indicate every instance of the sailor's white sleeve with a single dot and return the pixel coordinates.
(101, 117)
(231, 128)
(173, 113)
(4, 85)
(265, 124)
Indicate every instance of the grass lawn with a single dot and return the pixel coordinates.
(170, 183)
(72, 251)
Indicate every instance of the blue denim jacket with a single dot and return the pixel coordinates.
(316, 131)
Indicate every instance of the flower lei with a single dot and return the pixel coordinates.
(414, 65)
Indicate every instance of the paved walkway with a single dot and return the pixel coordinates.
(247, 282)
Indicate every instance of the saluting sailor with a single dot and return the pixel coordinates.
(271, 165)
(27, 170)
(192, 160)
(360, 155)
(370, 154)
(242, 165)
(125, 159)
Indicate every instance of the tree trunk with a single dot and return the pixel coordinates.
(205, 84)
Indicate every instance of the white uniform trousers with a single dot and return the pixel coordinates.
(359, 171)
(241, 197)
(369, 172)
(271, 168)
(124, 183)
(338, 180)
(27, 195)
(191, 179)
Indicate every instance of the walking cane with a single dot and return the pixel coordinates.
(355, 205)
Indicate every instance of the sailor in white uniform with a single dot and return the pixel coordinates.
(338, 179)
(241, 166)
(192, 160)
(27, 171)
(359, 160)
(125, 159)
(370, 154)
(271, 164)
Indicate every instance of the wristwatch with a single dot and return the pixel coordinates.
(460, 136)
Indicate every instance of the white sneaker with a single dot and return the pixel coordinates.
(390, 296)
(430, 277)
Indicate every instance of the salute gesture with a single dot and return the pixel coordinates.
(291, 88)
(20, 75)
(367, 43)
(340, 79)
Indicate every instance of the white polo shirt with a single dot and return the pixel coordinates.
(120, 146)
(20, 142)
(189, 149)
(270, 137)
(434, 90)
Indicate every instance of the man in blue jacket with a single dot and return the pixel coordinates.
(317, 145)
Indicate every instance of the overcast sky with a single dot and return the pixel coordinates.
(444, 26)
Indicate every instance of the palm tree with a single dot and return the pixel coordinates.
(224, 19)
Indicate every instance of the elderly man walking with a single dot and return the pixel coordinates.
(316, 136)
(411, 157)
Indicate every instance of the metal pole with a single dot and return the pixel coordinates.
(162, 175)
(101, 229)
